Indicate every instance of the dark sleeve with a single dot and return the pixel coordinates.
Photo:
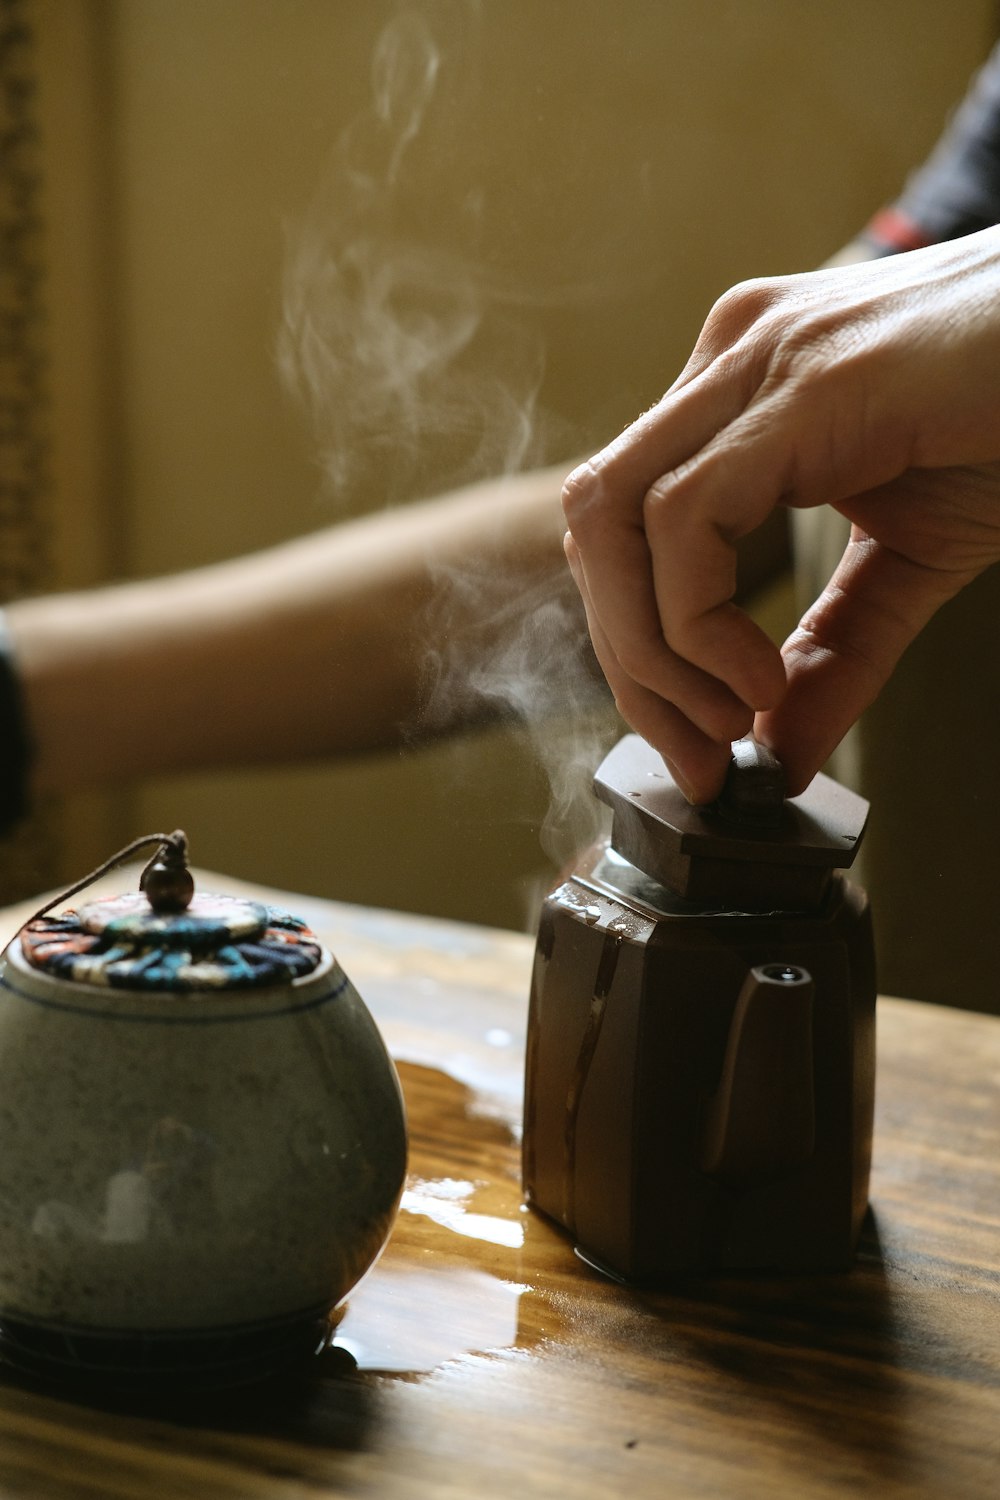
(957, 190)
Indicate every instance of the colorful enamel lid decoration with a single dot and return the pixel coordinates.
(164, 937)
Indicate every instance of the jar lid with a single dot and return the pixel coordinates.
(218, 943)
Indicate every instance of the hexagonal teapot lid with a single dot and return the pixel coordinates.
(754, 851)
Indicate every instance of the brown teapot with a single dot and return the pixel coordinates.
(701, 1047)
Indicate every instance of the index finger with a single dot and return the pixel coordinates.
(605, 505)
(614, 571)
(694, 518)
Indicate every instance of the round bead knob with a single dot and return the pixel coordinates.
(167, 882)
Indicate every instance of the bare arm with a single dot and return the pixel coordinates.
(309, 649)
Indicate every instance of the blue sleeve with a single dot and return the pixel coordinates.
(957, 190)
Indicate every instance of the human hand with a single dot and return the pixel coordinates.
(872, 388)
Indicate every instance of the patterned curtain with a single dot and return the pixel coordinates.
(27, 857)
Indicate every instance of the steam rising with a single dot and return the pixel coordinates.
(421, 372)
(406, 351)
(404, 70)
(527, 659)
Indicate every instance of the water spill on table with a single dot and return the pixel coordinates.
(446, 1202)
(453, 1280)
(410, 1319)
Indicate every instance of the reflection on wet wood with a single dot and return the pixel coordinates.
(490, 1359)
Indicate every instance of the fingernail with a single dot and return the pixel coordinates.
(682, 782)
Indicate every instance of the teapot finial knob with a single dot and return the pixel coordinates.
(755, 785)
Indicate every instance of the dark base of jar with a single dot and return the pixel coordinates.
(150, 1363)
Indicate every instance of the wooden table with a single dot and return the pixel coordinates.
(491, 1361)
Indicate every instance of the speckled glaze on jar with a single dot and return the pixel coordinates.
(196, 1163)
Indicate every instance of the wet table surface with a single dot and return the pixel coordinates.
(482, 1357)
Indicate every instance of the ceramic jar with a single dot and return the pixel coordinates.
(203, 1140)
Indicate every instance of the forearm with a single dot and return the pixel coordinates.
(310, 649)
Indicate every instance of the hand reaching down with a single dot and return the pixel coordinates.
(872, 388)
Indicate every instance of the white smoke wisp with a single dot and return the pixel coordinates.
(406, 351)
(405, 67)
(526, 660)
(421, 372)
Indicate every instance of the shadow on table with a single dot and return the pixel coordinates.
(820, 1356)
(314, 1402)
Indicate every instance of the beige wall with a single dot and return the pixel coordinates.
(611, 166)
